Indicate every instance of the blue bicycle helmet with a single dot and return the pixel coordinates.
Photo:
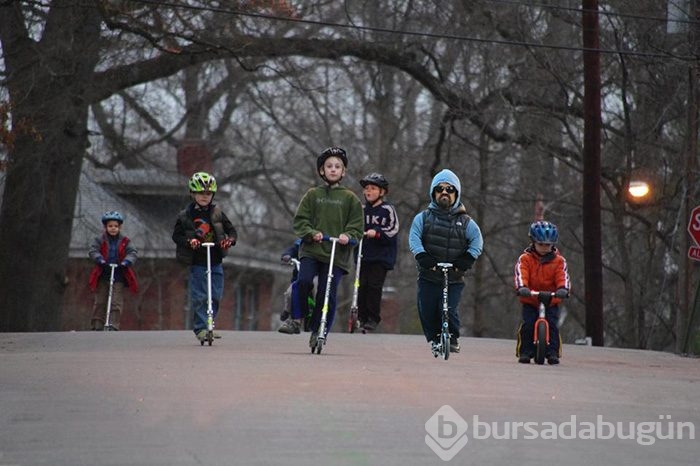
(112, 215)
(544, 232)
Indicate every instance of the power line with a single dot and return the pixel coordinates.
(234, 12)
(600, 12)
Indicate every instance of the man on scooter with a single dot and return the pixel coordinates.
(443, 233)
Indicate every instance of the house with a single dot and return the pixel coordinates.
(150, 200)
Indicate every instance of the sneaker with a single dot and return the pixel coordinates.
(290, 327)
(369, 325)
(285, 315)
(454, 345)
(313, 340)
(217, 335)
(524, 359)
(202, 335)
(553, 360)
(435, 348)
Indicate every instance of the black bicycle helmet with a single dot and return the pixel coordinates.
(331, 152)
(376, 179)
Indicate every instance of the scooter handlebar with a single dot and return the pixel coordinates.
(208, 245)
(444, 265)
(352, 242)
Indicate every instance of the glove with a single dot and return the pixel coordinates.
(523, 291)
(561, 293)
(464, 262)
(195, 243)
(125, 263)
(425, 260)
(227, 243)
(286, 258)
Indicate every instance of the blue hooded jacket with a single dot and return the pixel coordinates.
(473, 241)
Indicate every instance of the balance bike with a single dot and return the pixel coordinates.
(541, 332)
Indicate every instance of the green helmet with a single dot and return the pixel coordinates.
(202, 181)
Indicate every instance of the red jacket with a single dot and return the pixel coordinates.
(129, 275)
(541, 273)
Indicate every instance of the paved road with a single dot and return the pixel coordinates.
(261, 398)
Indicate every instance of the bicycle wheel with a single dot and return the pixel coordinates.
(541, 342)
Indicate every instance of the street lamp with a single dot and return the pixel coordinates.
(638, 190)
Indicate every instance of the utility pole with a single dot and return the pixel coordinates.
(683, 320)
(592, 231)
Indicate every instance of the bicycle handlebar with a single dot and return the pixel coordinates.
(536, 294)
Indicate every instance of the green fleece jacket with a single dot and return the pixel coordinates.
(332, 211)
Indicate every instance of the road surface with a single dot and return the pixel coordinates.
(261, 398)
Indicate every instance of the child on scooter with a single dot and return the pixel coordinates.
(111, 248)
(202, 221)
(378, 249)
(292, 252)
(291, 326)
(541, 267)
(330, 210)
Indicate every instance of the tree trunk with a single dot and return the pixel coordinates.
(49, 120)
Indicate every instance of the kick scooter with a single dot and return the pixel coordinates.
(541, 331)
(317, 346)
(108, 326)
(353, 322)
(442, 348)
(209, 338)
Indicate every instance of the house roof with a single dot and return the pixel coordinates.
(98, 193)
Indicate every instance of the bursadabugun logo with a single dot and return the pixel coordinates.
(446, 433)
(447, 430)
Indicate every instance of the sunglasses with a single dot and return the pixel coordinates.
(446, 189)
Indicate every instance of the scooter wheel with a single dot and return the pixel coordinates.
(445, 344)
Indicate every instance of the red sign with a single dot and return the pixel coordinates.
(694, 230)
(694, 253)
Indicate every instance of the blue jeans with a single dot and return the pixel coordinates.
(430, 307)
(308, 269)
(198, 293)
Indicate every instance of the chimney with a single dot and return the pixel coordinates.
(193, 156)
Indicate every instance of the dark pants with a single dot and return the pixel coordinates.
(369, 296)
(526, 332)
(430, 307)
(99, 307)
(309, 269)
